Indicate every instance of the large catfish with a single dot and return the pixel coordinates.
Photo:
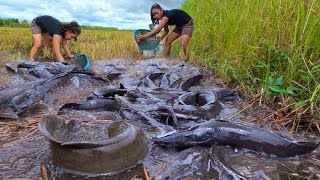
(237, 135)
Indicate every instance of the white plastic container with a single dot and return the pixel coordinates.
(151, 53)
(160, 49)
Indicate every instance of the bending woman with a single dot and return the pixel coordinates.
(184, 27)
(53, 30)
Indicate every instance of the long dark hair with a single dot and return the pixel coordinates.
(73, 27)
(154, 20)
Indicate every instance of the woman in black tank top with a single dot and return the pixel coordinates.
(177, 17)
(52, 30)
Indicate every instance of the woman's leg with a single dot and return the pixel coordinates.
(36, 46)
(185, 44)
(47, 44)
(167, 45)
(47, 40)
(186, 34)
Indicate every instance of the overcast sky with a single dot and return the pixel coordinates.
(122, 14)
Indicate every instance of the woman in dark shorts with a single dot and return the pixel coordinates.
(53, 30)
(184, 27)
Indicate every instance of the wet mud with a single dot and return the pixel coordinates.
(125, 117)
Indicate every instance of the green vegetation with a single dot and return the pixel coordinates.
(266, 47)
(11, 22)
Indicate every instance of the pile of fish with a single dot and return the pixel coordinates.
(151, 93)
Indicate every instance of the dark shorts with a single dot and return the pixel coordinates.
(35, 29)
(186, 29)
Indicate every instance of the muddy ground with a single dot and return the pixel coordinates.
(25, 152)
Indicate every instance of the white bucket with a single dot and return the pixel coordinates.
(160, 49)
(149, 53)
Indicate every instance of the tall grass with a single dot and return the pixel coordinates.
(257, 42)
(106, 44)
(269, 47)
(18, 41)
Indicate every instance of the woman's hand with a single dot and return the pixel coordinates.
(72, 56)
(159, 38)
(66, 49)
(140, 37)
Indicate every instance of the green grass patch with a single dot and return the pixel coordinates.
(271, 45)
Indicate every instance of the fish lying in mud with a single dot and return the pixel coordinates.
(107, 92)
(42, 85)
(236, 135)
(91, 105)
(197, 163)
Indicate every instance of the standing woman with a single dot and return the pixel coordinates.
(184, 27)
(53, 30)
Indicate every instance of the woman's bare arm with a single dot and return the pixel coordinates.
(56, 46)
(162, 24)
(165, 33)
(66, 49)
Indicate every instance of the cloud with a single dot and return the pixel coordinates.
(122, 14)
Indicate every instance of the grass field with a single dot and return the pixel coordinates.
(97, 44)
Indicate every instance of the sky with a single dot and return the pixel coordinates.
(121, 14)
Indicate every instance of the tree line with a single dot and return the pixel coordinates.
(12, 22)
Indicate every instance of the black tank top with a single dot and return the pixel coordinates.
(49, 24)
(177, 17)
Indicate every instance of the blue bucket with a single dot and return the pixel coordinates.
(82, 61)
(149, 44)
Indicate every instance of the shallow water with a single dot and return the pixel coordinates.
(23, 155)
